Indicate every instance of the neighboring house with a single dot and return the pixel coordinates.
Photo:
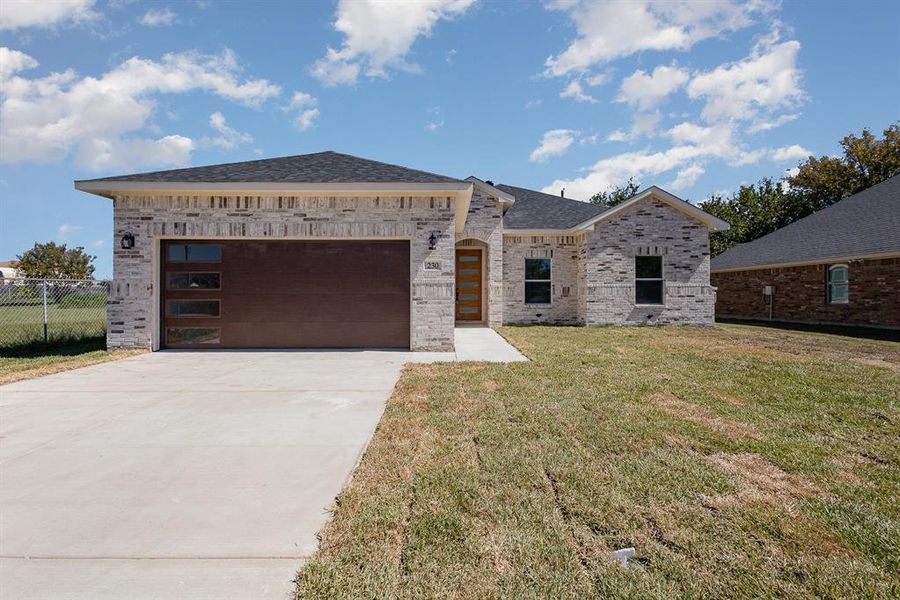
(9, 269)
(839, 265)
(331, 250)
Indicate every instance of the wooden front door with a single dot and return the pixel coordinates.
(468, 285)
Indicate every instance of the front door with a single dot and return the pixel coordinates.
(468, 285)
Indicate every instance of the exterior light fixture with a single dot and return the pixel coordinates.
(433, 240)
(128, 241)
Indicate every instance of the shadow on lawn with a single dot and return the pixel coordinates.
(871, 333)
(59, 348)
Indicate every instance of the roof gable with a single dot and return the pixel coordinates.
(865, 224)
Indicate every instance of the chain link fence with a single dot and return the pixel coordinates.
(50, 311)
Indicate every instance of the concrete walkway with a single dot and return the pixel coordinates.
(187, 474)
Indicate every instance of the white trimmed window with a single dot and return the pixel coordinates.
(648, 280)
(537, 280)
(838, 291)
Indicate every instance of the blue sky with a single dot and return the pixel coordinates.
(697, 97)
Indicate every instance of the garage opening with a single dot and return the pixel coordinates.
(285, 294)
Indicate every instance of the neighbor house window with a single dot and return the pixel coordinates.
(648, 280)
(838, 284)
(537, 281)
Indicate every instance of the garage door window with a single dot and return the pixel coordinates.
(195, 253)
(192, 335)
(194, 281)
(192, 308)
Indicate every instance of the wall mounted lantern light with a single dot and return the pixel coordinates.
(433, 240)
(128, 241)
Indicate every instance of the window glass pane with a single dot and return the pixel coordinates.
(194, 281)
(467, 284)
(177, 252)
(837, 274)
(468, 297)
(468, 258)
(648, 292)
(468, 310)
(469, 271)
(204, 252)
(537, 268)
(649, 267)
(537, 292)
(192, 335)
(840, 293)
(192, 308)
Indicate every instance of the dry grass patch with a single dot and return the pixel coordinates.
(508, 481)
(700, 415)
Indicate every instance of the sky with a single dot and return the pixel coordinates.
(696, 97)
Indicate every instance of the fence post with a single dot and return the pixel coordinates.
(44, 295)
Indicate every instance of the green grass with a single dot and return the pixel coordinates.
(25, 363)
(21, 325)
(739, 461)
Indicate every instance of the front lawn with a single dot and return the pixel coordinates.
(37, 360)
(739, 462)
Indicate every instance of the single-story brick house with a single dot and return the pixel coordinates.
(840, 265)
(332, 250)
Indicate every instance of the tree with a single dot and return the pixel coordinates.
(617, 195)
(866, 161)
(55, 261)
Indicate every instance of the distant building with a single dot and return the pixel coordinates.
(840, 265)
(9, 269)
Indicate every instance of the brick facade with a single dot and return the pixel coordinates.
(650, 227)
(566, 254)
(133, 309)
(800, 294)
(593, 272)
(484, 223)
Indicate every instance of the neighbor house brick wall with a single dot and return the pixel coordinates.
(133, 314)
(800, 294)
(649, 227)
(485, 224)
(567, 254)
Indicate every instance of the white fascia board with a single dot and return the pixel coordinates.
(806, 263)
(111, 188)
(714, 223)
(487, 188)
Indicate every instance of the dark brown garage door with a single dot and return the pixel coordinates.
(285, 294)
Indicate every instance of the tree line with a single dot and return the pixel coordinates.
(760, 208)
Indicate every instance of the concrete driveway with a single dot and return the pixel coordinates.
(180, 474)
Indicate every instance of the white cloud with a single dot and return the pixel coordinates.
(306, 119)
(16, 14)
(643, 123)
(554, 143)
(379, 35)
(98, 243)
(533, 103)
(577, 93)
(778, 121)
(598, 79)
(65, 230)
(610, 30)
(644, 91)
(228, 138)
(687, 177)
(105, 154)
(792, 152)
(156, 17)
(301, 100)
(46, 118)
(754, 88)
(434, 125)
(450, 58)
(13, 61)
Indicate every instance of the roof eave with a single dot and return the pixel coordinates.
(806, 263)
(504, 197)
(109, 189)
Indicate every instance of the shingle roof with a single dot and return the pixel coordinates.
(319, 167)
(865, 223)
(537, 210)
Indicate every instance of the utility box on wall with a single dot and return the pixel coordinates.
(768, 290)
